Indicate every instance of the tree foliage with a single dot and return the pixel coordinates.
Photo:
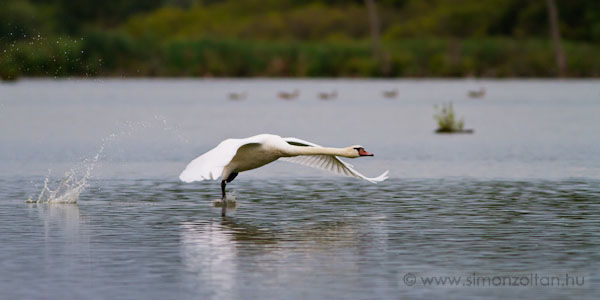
(293, 37)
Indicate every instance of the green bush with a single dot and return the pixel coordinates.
(447, 123)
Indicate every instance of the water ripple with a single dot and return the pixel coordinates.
(299, 238)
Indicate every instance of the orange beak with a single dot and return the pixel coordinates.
(362, 152)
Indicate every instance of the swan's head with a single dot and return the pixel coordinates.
(359, 151)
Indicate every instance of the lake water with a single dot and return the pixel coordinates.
(511, 211)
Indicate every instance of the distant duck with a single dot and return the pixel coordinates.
(390, 94)
(477, 94)
(328, 96)
(237, 96)
(288, 96)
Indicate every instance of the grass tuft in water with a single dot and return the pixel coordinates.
(447, 122)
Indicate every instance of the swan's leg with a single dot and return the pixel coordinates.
(223, 196)
(231, 177)
(223, 200)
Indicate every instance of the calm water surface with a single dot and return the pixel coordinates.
(520, 198)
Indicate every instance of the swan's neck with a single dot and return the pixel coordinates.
(300, 150)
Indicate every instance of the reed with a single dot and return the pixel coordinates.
(447, 122)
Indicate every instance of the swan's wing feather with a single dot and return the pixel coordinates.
(298, 142)
(329, 163)
(210, 164)
(334, 165)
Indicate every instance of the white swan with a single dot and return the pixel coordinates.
(232, 156)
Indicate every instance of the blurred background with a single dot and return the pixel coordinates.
(293, 38)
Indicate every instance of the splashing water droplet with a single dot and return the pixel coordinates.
(230, 200)
(70, 185)
(76, 180)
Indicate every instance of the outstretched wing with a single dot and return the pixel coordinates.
(210, 164)
(329, 163)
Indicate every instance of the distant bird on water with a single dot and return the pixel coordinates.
(477, 94)
(328, 96)
(237, 96)
(390, 94)
(288, 96)
(232, 156)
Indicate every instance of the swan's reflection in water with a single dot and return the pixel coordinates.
(233, 259)
(208, 253)
(211, 253)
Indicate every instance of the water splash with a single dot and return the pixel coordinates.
(71, 185)
(229, 199)
(175, 130)
(67, 191)
(76, 180)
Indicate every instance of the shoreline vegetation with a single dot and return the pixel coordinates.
(289, 38)
(113, 55)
